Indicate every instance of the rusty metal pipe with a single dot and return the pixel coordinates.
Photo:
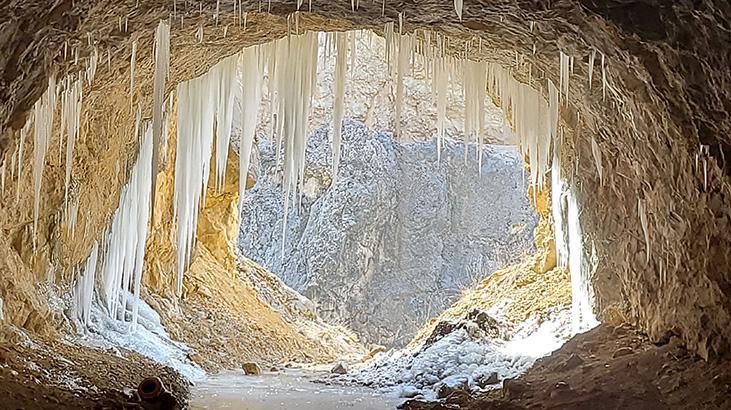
(150, 388)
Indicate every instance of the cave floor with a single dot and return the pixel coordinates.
(608, 368)
(286, 389)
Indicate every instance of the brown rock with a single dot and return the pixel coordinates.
(252, 369)
(339, 369)
(514, 388)
(622, 351)
(487, 380)
(572, 362)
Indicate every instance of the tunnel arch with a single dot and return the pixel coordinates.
(667, 96)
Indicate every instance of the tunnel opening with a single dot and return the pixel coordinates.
(636, 233)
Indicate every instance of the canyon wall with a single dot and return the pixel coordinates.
(397, 236)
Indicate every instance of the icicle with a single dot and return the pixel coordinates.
(122, 265)
(596, 152)
(592, 57)
(604, 79)
(70, 122)
(458, 6)
(341, 68)
(642, 212)
(43, 112)
(199, 34)
(23, 134)
(132, 64)
(84, 289)
(162, 69)
(91, 69)
(226, 73)
(565, 74)
(404, 50)
(251, 74)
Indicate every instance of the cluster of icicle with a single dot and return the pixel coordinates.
(204, 124)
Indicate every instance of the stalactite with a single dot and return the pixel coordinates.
(71, 101)
(122, 264)
(458, 7)
(43, 112)
(596, 152)
(23, 136)
(84, 289)
(162, 69)
(225, 71)
(341, 68)
(132, 66)
(251, 74)
(592, 58)
(404, 51)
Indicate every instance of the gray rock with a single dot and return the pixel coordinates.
(397, 236)
(339, 369)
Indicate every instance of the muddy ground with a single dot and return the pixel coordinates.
(608, 368)
(38, 374)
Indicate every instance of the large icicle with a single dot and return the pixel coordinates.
(70, 120)
(132, 66)
(225, 71)
(84, 289)
(251, 67)
(23, 136)
(404, 52)
(341, 68)
(162, 68)
(43, 112)
(121, 271)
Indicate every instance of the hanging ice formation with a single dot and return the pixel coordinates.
(132, 64)
(124, 250)
(341, 68)
(250, 72)
(596, 152)
(43, 112)
(565, 74)
(404, 52)
(475, 85)
(458, 6)
(295, 77)
(162, 68)
(84, 289)
(119, 260)
(592, 58)
(23, 136)
(225, 71)
(70, 120)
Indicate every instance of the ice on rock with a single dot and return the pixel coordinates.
(460, 358)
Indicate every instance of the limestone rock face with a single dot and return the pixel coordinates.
(396, 236)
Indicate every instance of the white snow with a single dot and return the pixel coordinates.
(148, 339)
(461, 357)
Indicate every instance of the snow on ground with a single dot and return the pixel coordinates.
(464, 358)
(149, 338)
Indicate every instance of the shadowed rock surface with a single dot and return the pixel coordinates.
(396, 238)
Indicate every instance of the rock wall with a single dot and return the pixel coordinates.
(397, 237)
(667, 93)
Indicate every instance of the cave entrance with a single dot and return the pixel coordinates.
(429, 234)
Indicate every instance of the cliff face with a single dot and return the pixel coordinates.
(397, 236)
(667, 93)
